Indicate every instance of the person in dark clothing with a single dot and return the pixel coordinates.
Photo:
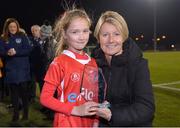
(34, 59)
(15, 50)
(129, 90)
(47, 54)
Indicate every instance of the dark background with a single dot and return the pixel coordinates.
(139, 15)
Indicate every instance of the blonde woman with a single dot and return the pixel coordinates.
(126, 72)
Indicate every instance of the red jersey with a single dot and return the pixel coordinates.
(65, 75)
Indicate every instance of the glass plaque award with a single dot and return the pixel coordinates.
(93, 85)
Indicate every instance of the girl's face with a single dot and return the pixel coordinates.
(110, 39)
(12, 27)
(77, 34)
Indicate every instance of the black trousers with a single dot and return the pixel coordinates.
(32, 88)
(20, 93)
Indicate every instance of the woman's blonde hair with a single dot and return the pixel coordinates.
(62, 25)
(115, 19)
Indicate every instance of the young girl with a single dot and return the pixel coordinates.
(66, 71)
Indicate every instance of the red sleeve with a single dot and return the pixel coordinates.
(52, 79)
(47, 99)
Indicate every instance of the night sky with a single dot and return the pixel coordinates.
(137, 13)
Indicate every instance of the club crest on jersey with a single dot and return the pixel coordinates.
(18, 40)
(75, 77)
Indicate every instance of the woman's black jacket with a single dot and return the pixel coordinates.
(129, 88)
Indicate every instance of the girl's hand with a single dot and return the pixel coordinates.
(86, 109)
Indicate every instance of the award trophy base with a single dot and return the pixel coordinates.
(105, 105)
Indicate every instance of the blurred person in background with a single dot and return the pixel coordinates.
(47, 54)
(16, 50)
(35, 42)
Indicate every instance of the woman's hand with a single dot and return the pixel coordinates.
(103, 111)
(86, 109)
(11, 52)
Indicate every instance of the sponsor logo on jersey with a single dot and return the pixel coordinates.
(85, 94)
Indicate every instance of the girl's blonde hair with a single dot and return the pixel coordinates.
(115, 19)
(62, 25)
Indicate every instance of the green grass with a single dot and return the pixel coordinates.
(167, 108)
(36, 118)
(165, 68)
